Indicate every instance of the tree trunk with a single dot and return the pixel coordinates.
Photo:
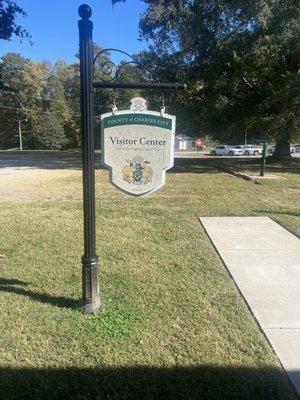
(282, 148)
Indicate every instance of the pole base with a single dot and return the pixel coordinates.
(90, 308)
(90, 287)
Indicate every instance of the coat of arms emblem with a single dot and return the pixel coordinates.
(137, 172)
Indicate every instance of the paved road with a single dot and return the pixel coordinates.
(204, 154)
(18, 162)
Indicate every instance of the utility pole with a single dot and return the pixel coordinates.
(20, 132)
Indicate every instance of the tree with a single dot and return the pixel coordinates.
(69, 78)
(47, 95)
(241, 59)
(9, 12)
(30, 90)
(55, 100)
(11, 78)
(50, 134)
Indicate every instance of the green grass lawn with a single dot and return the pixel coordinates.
(173, 325)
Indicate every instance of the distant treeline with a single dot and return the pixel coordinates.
(46, 99)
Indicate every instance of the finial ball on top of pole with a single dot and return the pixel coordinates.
(85, 11)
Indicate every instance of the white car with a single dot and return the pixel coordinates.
(226, 151)
(293, 149)
(250, 150)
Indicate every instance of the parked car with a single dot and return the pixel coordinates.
(297, 148)
(249, 150)
(271, 149)
(226, 151)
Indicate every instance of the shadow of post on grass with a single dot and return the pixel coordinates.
(142, 382)
(7, 285)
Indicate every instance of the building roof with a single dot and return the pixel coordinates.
(183, 137)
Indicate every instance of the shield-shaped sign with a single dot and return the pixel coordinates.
(138, 147)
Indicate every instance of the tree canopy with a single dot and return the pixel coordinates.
(240, 58)
(47, 98)
(9, 11)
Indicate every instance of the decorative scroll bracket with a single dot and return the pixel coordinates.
(112, 71)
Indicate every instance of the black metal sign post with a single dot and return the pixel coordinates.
(90, 286)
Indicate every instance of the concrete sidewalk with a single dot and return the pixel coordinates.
(264, 260)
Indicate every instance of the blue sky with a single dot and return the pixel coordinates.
(53, 27)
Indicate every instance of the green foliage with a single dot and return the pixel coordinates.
(36, 90)
(49, 134)
(11, 77)
(240, 58)
(68, 76)
(29, 90)
(9, 12)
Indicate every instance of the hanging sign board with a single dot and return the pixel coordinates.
(138, 147)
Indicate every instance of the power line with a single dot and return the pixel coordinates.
(28, 109)
(33, 97)
(43, 112)
(43, 98)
